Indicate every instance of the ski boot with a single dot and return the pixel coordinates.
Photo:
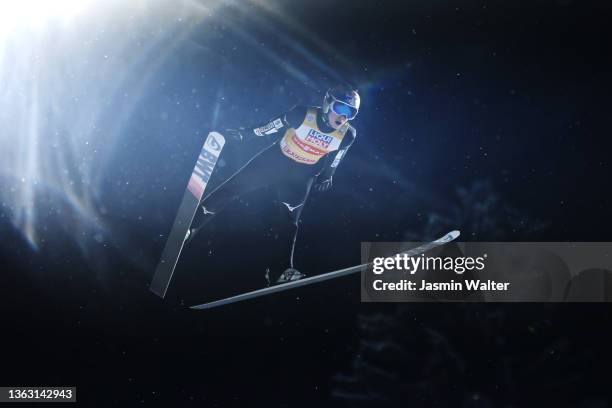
(191, 232)
(290, 274)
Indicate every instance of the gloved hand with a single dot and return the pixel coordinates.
(234, 134)
(323, 185)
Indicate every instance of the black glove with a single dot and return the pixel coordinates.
(323, 185)
(234, 134)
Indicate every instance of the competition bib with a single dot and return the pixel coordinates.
(307, 144)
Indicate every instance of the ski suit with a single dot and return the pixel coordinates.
(303, 152)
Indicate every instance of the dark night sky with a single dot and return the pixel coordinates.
(463, 103)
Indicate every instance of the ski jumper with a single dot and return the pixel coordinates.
(303, 150)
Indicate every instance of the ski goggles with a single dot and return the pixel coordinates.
(342, 109)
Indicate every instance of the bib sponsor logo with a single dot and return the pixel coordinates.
(307, 148)
(318, 139)
(288, 152)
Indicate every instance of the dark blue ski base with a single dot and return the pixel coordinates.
(213, 145)
(451, 236)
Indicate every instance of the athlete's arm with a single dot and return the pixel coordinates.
(324, 180)
(271, 128)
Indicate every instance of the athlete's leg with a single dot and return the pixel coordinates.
(258, 172)
(292, 199)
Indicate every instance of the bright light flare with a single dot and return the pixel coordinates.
(60, 82)
(35, 13)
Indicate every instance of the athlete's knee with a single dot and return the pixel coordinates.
(293, 211)
(207, 211)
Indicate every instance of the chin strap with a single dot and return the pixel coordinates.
(325, 118)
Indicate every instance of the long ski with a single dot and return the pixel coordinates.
(451, 236)
(191, 199)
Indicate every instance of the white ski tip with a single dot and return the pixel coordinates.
(454, 234)
(451, 236)
(217, 135)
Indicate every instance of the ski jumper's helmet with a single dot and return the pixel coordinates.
(343, 100)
